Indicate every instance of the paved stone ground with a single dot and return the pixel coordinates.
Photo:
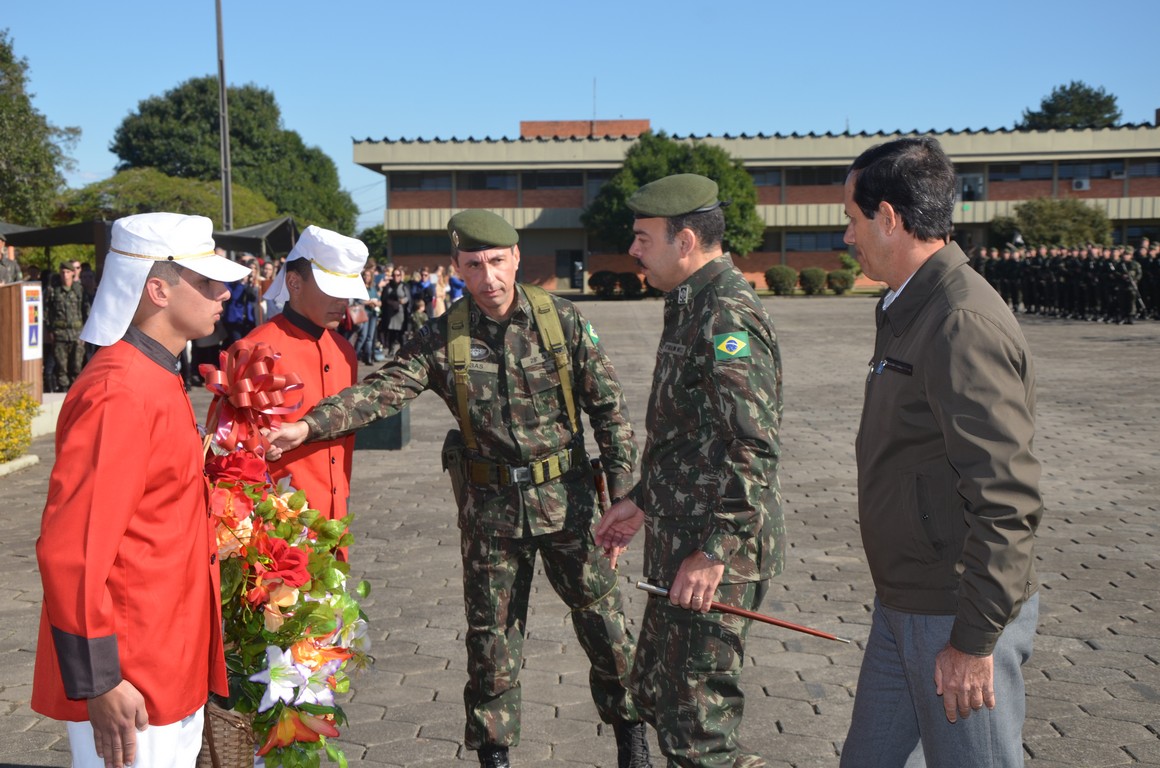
(1093, 684)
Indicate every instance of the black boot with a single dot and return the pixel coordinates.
(492, 756)
(631, 745)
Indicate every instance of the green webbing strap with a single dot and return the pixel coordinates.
(548, 324)
(459, 353)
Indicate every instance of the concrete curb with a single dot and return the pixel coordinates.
(24, 462)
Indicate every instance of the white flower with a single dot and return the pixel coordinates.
(282, 677)
(317, 690)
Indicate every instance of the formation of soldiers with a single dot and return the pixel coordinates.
(1115, 284)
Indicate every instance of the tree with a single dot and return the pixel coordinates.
(654, 156)
(1066, 221)
(177, 133)
(142, 190)
(375, 238)
(32, 150)
(1075, 105)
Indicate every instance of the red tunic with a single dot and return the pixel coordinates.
(327, 365)
(127, 553)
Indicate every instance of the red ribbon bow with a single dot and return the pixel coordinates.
(247, 396)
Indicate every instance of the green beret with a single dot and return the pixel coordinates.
(675, 196)
(477, 230)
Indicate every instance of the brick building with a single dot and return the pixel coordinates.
(543, 180)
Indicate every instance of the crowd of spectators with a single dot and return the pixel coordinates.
(399, 304)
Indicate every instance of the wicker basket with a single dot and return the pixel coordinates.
(227, 740)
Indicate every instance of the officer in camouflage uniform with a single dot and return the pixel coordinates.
(68, 308)
(10, 271)
(529, 484)
(709, 496)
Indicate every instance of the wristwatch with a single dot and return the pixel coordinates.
(710, 556)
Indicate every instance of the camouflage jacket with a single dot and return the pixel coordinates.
(709, 472)
(10, 271)
(67, 309)
(517, 413)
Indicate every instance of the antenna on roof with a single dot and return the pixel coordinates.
(592, 125)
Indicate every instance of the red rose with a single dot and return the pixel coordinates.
(283, 562)
(239, 466)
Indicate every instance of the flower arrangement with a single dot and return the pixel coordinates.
(292, 627)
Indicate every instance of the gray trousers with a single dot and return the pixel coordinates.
(896, 709)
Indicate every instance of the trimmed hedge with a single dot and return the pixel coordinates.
(840, 280)
(630, 286)
(813, 280)
(603, 283)
(781, 279)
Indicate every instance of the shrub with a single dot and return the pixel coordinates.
(603, 283)
(850, 263)
(630, 287)
(813, 280)
(781, 279)
(840, 280)
(16, 411)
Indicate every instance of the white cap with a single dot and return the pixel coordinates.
(137, 243)
(336, 260)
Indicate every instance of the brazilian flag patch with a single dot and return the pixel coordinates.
(731, 346)
(592, 334)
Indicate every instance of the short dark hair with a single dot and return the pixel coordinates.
(916, 177)
(301, 267)
(708, 226)
(169, 271)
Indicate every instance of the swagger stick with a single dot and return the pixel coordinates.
(661, 591)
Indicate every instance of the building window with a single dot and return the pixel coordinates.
(1020, 172)
(553, 180)
(766, 177)
(595, 182)
(417, 245)
(771, 241)
(420, 181)
(814, 177)
(494, 180)
(1108, 169)
(815, 241)
(1145, 168)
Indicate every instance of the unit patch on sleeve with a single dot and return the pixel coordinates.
(731, 346)
(592, 334)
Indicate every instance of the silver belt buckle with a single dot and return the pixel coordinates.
(520, 474)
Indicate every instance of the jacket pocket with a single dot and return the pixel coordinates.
(935, 511)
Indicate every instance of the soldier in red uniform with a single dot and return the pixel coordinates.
(321, 275)
(130, 634)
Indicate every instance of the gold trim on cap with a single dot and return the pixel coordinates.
(332, 272)
(157, 258)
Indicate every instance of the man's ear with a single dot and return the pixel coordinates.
(293, 281)
(888, 218)
(158, 292)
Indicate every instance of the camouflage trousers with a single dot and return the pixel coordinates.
(497, 580)
(686, 674)
(69, 354)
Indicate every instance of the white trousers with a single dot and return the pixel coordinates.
(159, 746)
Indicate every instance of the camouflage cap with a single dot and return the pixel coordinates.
(477, 230)
(675, 195)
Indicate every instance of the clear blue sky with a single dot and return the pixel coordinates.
(423, 68)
